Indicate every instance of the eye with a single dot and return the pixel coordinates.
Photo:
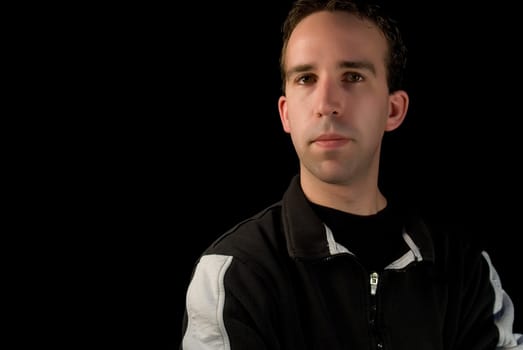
(305, 79)
(353, 77)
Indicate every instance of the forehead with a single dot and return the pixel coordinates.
(338, 36)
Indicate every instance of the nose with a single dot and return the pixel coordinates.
(328, 98)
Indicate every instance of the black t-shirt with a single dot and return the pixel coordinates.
(376, 240)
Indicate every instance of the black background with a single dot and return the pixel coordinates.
(193, 143)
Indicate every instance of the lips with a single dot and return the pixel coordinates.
(330, 140)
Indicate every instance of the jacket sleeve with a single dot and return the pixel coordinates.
(225, 308)
(484, 312)
(503, 312)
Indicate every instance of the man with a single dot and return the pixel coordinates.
(335, 264)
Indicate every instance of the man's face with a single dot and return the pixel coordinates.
(337, 104)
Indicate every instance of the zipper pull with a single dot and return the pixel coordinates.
(373, 283)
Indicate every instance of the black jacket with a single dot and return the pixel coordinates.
(279, 280)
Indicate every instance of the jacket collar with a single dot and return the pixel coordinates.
(307, 237)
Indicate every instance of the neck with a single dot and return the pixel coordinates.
(355, 198)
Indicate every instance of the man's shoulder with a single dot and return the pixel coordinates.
(453, 239)
(258, 232)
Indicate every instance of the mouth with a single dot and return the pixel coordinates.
(330, 140)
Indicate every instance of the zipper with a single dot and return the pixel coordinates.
(374, 279)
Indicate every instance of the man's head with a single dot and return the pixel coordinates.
(341, 81)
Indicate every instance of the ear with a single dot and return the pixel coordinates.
(282, 109)
(399, 104)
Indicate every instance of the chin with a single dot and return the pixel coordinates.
(333, 176)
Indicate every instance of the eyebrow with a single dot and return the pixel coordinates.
(366, 65)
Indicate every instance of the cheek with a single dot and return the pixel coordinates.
(302, 135)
